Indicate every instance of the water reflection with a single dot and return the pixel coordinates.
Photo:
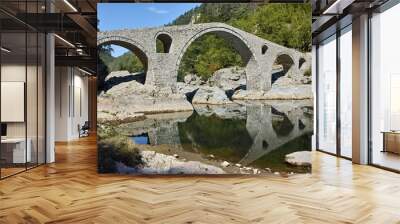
(256, 134)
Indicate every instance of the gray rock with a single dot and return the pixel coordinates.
(225, 164)
(125, 100)
(117, 74)
(301, 158)
(229, 79)
(187, 90)
(210, 95)
(294, 92)
(193, 79)
(157, 163)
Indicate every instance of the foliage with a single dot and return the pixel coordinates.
(113, 148)
(206, 55)
(104, 53)
(308, 73)
(128, 61)
(159, 46)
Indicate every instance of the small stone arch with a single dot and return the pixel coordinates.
(301, 62)
(166, 42)
(130, 44)
(282, 66)
(264, 49)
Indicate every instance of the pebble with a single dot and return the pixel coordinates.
(255, 171)
(225, 164)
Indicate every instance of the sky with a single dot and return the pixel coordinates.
(114, 16)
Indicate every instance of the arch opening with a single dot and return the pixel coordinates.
(301, 62)
(207, 53)
(282, 67)
(163, 43)
(130, 63)
(264, 49)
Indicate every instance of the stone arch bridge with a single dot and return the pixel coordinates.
(162, 67)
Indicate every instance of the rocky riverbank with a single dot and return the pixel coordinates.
(126, 99)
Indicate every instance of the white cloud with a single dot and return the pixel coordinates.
(157, 11)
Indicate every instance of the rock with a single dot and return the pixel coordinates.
(268, 170)
(176, 155)
(298, 92)
(225, 164)
(117, 74)
(238, 165)
(157, 163)
(291, 92)
(126, 100)
(248, 95)
(301, 158)
(306, 80)
(193, 79)
(211, 156)
(118, 77)
(255, 171)
(187, 90)
(284, 81)
(229, 79)
(210, 95)
(276, 173)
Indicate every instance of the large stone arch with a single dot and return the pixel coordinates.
(133, 46)
(240, 44)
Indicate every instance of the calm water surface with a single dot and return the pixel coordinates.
(255, 134)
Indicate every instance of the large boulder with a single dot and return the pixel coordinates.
(289, 92)
(229, 79)
(157, 163)
(301, 158)
(187, 90)
(210, 95)
(116, 78)
(125, 101)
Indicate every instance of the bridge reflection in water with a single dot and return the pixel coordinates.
(250, 133)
